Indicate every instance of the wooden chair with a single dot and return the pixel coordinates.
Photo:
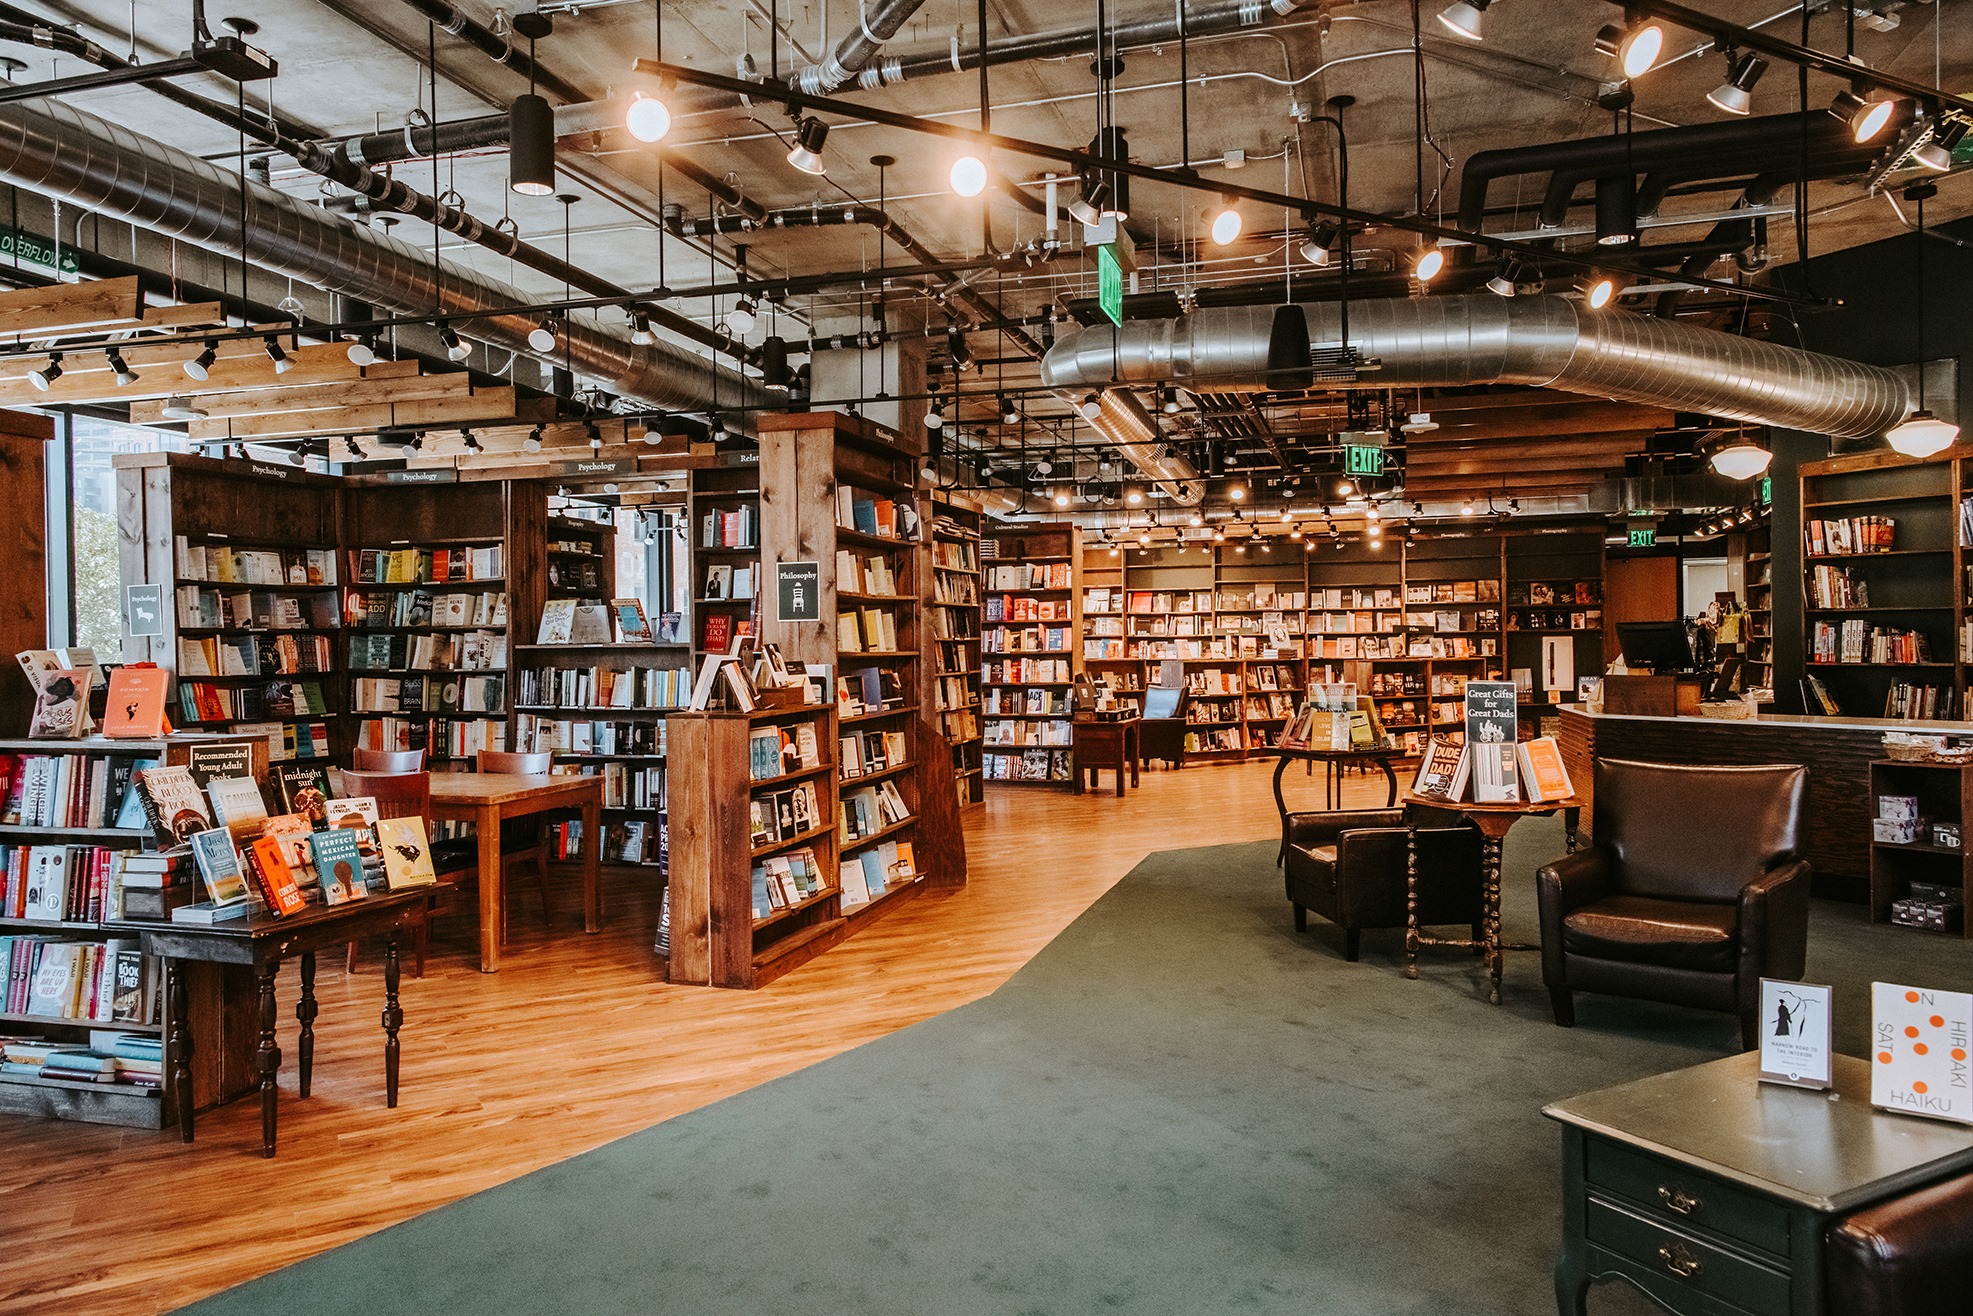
(523, 839)
(398, 795)
(386, 760)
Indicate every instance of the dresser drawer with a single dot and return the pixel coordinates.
(1682, 1257)
(1676, 1195)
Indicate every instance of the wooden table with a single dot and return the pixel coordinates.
(485, 798)
(1332, 791)
(261, 942)
(1714, 1192)
(1114, 744)
(1494, 822)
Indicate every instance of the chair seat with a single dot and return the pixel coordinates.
(1676, 933)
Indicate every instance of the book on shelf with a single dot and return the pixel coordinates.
(337, 858)
(174, 805)
(633, 626)
(109, 981)
(456, 737)
(1841, 536)
(407, 565)
(557, 622)
(225, 564)
(734, 528)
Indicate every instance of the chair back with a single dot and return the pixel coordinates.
(1683, 832)
(387, 760)
(526, 765)
(398, 794)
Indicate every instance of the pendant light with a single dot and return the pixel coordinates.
(1921, 434)
(531, 124)
(1738, 457)
(1463, 18)
(968, 176)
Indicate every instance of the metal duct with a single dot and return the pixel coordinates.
(855, 51)
(1548, 342)
(59, 151)
(1222, 349)
(1123, 421)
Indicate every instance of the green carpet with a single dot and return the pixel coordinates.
(1180, 1106)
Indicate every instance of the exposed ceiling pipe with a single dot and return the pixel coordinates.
(1126, 423)
(450, 18)
(875, 25)
(56, 150)
(1542, 342)
(1230, 349)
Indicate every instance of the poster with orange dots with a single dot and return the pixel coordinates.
(1919, 1044)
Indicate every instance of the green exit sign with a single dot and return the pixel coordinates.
(1359, 460)
(1644, 537)
(1110, 283)
(1767, 491)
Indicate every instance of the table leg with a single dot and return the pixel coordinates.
(181, 1047)
(1076, 768)
(268, 1058)
(1572, 1263)
(1121, 750)
(305, 1011)
(1281, 807)
(1490, 861)
(1136, 756)
(393, 1020)
(592, 864)
(1391, 784)
(487, 820)
(1410, 898)
(1571, 821)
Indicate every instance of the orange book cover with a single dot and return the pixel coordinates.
(270, 859)
(1542, 769)
(137, 702)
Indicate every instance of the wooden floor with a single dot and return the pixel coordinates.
(574, 1043)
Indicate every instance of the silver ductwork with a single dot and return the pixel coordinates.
(1123, 421)
(59, 151)
(874, 26)
(1542, 342)
(1223, 349)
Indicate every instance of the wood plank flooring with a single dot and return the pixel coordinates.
(574, 1043)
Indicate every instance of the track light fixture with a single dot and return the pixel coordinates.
(1427, 262)
(968, 176)
(640, 329)
(124, 374)
(1600, 290)
(1091, 201)
(201, 365)
(356, 452)
(1319, 245)
(743, 317)
(542, 337)
(1227, 223)
(1635, 46)
(1463, 18)
(1508, 275)
(935, 416)
(1237, 492)
(647, 118)
(471, 440)
(417, 443)
(531, 146)
(43, 376)
(1735, 95)
(955, 347)
(1935, 152)
(1009, 413)
(455, 349)
(811, 135)
(282, 362)
(595, 437)
(1866, 118)
(359, 352)
(1134, 496)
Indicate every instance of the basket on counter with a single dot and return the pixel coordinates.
(1902, 747)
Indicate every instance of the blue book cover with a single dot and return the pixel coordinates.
(130, 813)
(762, 905)
(338, 865)
(873, 871)
(219, 865)
(865, 512)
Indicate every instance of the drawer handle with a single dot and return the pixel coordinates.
(1677, 1199)
(1679, 1261)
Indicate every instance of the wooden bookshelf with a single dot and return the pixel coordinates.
(1029, 652)
(1944, 792)
(724, 522)
(1554, 591)
(579, 559)
(953, 615)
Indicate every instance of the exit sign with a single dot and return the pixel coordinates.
(1767, 491)
(1110, 283)
(1362, 460)
(1644, 537)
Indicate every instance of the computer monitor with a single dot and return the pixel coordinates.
(1161, 701)
(1658, 645)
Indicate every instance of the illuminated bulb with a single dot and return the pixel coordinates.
(647, 118)
(1226, 224)
(1428, 264)
(969, 176)
(541, 338)
(1921, 434)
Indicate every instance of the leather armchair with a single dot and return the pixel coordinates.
(1910, 1256)
(1349, 867)
(1692, 893)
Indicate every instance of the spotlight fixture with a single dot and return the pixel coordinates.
(1196, 520)
(1171, 403)
(1009, 413)
(595, 437)
(359, 353)
(647, 118)
(282, 363)
(1935, 153)
(968, 176)
(935, 417)
(1308, 545)
(1237, 492)
(1320, 243)
(1738, 457)
(356, 452)
(1866, 118)
(124, 374)
(1599, 290)
(178, 408)
(43, 376)
(417, 443)
(532, 443)
(1295, 532)
(1735, 95)
(1345, 488)
(1635, 46)
(1463, 18)
(201, 365)
(1226, 224)
(1219, 535)
(455, 350)
(471, 440)
(742, 318)
(1134, 496)
(531, 146)
(1507, 275)
(811, 135)
(640, 329)
(955, 347)
(1616, 211)
(1466, 508)
(1061, 498)
(1427, 262)
(1092, 199)
(542, 338)
(1092, 407)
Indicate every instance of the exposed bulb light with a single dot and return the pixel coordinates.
(1866, 118)
(1935, 153)
(968, 176)
(1237, 492)
(640, 329)
(811, 135)
(1061, 498)
(1740, 458)
(1463, 18)
(1171, 403)
(647, 118)
(935, 418)
(1635, 47)
(742, 318)
(455, 349)
(282, 362)
(1466, 508)
(1425, 266)
(124, 374)
(201, 365)
(1226, 224)
(43, 376)
(1921, 434)
(1735, 95)
(541, 338)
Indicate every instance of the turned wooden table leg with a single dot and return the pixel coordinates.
(305, 1011)
(181, 1048)
(1410, 898)
(393, 1020)
(268, 1058)
(1491, 859)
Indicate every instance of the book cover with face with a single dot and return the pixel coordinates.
(338, 865)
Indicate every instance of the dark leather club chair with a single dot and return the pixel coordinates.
(1910, 1256)
(1349, 867)
(1692, 893)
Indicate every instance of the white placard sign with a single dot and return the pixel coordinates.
(1919, 1039)
(1795, 1033)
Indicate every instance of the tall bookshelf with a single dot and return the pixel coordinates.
(1260, 598)
(1757, 585)
(724, 521)
(1554, 592)
(1029, 626)
(1106, 654)
(580, 559)
(1452, 625)
(954, 618)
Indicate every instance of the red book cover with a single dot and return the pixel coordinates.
(717, 633)
(137, 702)
(269, 862)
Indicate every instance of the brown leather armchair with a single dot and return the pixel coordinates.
(1349, 867)
(1692, 893)
(1910, 1256)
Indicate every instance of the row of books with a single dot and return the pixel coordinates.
(1029, 733)
(417, 607)
(1923, 702)
(958, 554)
(426, 566)
(1522, 619)
(866, 629)
(731, 580)
(865, 573)
(948, 624)
(1032, 702)
(108, 1059)
(1022, 607)
(874, 514)
(1452, 591)
(876, 870)
(434, 694)
(955, 591)
(959, 724)
(1836, 587)
(390, 651)
(630, 785)
(569, 574)
(1547, 593)
(255, 655)
(864, 752)
(1020, 671)
(535, 734)
(1448, 620)
(730, 529)
(631, 841)
(1224, 740)
(57, 883)
(1832, 536)
(1029, 576)
(862, 690)
(952, 692)
(604, 686)
(1857, 641)
(204, 608)
(439, 737)
(224, 564)
(288, 741)
(1268, 707)
(1224, 648)
(785, 881)
(1033, 764)
(870, 809)
(1028, 639)
(69, 790)
(1214, 681)
(204, 702)
(110, 981)
(775, 751)
(782, 815)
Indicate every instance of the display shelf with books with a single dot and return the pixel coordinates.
(1453, 619)
(1260, 599)
(580, 559)
(1106, 654)
(723, 519)
(1554, 616)
(953, 617)
(1920, 876)
(1030, 626)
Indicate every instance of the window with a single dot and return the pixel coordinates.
(85, 593)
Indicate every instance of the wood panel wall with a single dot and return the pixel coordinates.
(24, 586)
(1637, 589)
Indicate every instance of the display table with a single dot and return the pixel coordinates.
(1114, 743)
(485, 799)
(261, 942)
(1333, 761)
(1712, 1191)
(1494, 822)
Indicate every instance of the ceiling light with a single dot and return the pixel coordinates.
(1739, 457)
(774, 373)
(1506, 276)
(1601, 290)
(1866, 118)
(595, 437)
(1935, 153)
(1010, 415)
(1635, 47)
(1320, 243)
(742, 318)
(1236, 493)
(811, 134)
(201, 365)
(1463, 18)
(1219, 535)
(531, 146)
(1419, 422)
(178, 408)
(1616, 211)
(1295, 533)
(1226, 224)
(935, 418)
(968, 176)
(1466, 508)
(1171, 402)
(48, 374)
(1092, 407)
(1345, 488)
(1921, 434)
(282, 363)
(455, 350)
(1061, 498)
(955, 347)
(647, 118)
(359, 353)
(124, 374)
(1144, 540)
(1134, 496)
(532, 443)
(1092, 198)
(640, 329)
(356, 452)
(1735, 95)
(1197, 519)
(542, 338)
(1425, 266)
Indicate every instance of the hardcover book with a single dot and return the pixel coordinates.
(237, 805)
(1919, 1040)
(136, 703)
(1441, 771)
(633, 627)
(174, 803)
(557, 621)
(219, 865)
(407, 853)
(338, 865)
